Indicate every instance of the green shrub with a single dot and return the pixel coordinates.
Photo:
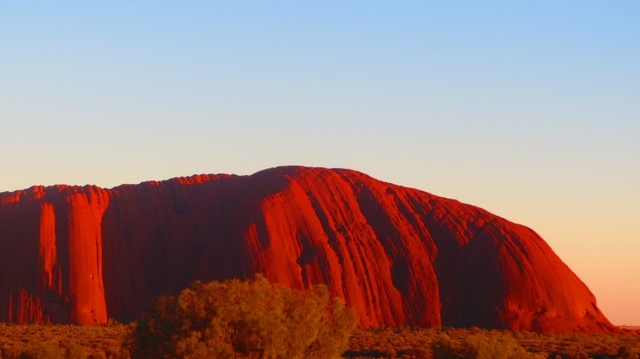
(236, 319)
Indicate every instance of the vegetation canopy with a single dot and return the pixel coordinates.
(105, 342)
(243, 319)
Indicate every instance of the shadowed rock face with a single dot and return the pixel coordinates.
(397, 255)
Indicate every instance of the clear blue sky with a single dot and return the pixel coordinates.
(531, 111)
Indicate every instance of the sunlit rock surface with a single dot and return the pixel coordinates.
(399, 256)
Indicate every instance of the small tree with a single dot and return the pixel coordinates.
(243, 319)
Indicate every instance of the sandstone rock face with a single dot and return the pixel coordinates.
(399, 256)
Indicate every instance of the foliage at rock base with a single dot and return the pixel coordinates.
(105, 342)
(470, 343)
(62, 342)
(481, 346)
(243, 319)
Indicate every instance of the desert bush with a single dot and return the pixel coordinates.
(446, 348)
(80, 342)
(48, 350)
(74, 351)
(236, 319)
(481, 346)
(105, 342)
(625, 352)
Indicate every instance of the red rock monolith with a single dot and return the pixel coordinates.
(398, 256)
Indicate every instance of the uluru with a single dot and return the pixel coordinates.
(398, 256)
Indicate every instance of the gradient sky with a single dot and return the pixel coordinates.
(528, 109)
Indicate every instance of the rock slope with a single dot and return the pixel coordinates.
(399, 256)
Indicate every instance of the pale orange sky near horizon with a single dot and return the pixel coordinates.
(530, 111)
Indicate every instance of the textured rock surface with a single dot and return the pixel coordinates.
(397, 255)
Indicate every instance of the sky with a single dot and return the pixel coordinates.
(530, 110)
